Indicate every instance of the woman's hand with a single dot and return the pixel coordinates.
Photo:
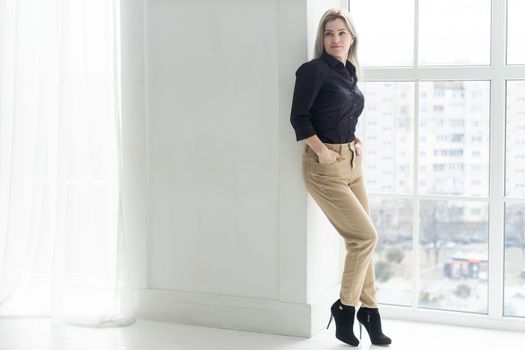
(357, 145)
(327, 156)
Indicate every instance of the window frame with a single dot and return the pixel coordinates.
(497, 73)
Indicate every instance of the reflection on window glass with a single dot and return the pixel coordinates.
(453, 255)
(515, 139)
(515, 32)
(514, 304)
(386, 128)
(393, 45)
(393, 257)
(454, 135)
(443, 32)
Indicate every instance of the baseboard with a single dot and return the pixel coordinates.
(276, 317)
(220, 311)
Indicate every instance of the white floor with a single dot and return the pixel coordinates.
(40, 334)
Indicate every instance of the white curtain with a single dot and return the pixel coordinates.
(61, 234)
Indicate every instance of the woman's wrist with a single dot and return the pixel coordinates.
(316, 145)
(324, 150)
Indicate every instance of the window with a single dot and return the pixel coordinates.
(446, 46)
(514, 304)
(385, 136)
(454, 123)
(455, 152)
(457, 137)
(453, 94)
(457, 112)
(454, 256)
(514, 137)
(516, 32)
(394, 256)
(385, 47)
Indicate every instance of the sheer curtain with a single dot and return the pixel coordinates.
(61, 234)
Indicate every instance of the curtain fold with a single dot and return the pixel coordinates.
(62, 249)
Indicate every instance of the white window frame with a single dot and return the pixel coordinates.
(497, 73)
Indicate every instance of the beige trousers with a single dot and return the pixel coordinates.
(339, 191)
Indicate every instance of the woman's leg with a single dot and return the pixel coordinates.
(368, 294)
(344, 210)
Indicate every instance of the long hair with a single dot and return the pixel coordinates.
(332, 15)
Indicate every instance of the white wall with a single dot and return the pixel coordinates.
(207, 93)
(212, 115)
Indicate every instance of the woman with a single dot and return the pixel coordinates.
(325, 108)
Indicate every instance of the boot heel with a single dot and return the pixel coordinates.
(331, 316)
(344, 322)
(360, 330)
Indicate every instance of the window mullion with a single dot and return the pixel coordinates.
(415, 177)
(415, 200)
(496, 210)
(416, 33)
(497, 161)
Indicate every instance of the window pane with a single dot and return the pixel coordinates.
(514, 260)
(454, 32)
(515, 140)
(393, 257)
(384, 40)
(454, 255)
(515, 32)
(386, 129)
(454, 137)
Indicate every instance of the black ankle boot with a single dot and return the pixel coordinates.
(371, 319)
(344, 322)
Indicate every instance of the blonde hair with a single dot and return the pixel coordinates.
(332, 15)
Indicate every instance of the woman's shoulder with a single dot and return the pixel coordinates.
(312, 67)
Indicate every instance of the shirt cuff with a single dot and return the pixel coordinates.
(304, 134)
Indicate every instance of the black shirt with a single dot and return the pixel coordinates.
(326, 100)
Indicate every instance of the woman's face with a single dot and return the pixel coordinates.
(337, 39)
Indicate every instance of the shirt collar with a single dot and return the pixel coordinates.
(334, 62)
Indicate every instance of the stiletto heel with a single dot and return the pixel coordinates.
(371, 320)
(360, 330)
(331, 316)
(343, 316)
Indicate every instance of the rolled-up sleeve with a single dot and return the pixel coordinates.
(307, 85)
